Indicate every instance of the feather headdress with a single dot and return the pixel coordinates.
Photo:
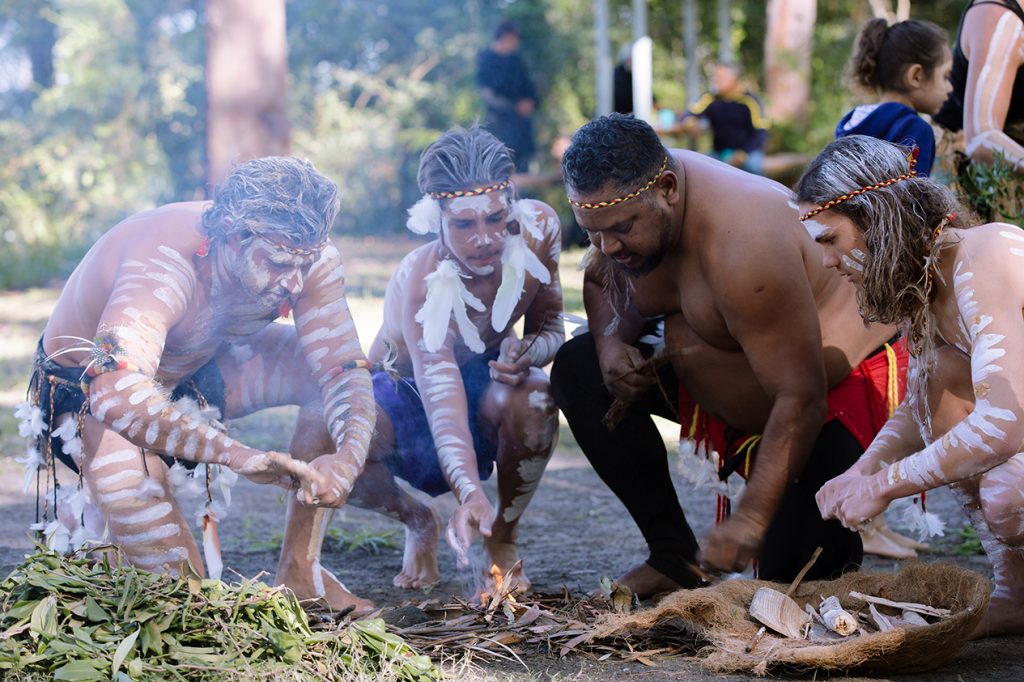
(425, 216)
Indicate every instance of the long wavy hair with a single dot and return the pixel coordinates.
(901, 225)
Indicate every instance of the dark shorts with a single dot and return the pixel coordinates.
(414, 458)
(61, 387)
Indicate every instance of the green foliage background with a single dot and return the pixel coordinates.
(121, 126)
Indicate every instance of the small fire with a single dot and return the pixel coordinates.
(499, 589)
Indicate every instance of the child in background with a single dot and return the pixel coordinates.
(739, 129)
(907, 67)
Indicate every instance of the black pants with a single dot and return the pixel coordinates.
(632, 461)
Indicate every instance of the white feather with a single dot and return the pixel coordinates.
(447, 296)
(425, 216)
(528, 216)
(516, 260)
(910, 516)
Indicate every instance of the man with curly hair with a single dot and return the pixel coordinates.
(775, 374)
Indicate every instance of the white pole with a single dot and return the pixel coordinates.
(724, 31)
(690, 51)
(604, 58)
(643, 84)
(639, 19)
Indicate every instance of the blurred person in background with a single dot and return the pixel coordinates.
(508, 93)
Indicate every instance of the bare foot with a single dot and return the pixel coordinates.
(880, 543)
(646, 582)
(1004, 617)
(327, 589)
(419, 565)
(504, 556)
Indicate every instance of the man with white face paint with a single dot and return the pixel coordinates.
(462, 392)
(178, 302)
(762, 340)
(960, 293)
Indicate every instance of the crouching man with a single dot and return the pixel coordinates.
(462, 391)
(179, 302)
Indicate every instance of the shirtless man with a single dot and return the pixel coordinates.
(762, 337)
(464, 392)
(963, 422)
(181, 301)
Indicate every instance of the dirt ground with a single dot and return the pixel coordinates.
(574, 533)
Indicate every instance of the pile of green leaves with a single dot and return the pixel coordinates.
(101, 619)
(994, 190)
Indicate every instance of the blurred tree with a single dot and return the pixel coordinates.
(122, 123)
(246, 83)
(787, 59)
(78, 156)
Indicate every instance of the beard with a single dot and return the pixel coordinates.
(649, 263)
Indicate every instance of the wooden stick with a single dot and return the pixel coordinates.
(803, 571)
(906, 606)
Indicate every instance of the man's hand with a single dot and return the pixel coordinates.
(852, 499)
(278, 468)
(472, 518)
(513, 363)
(525, 107)
(337, 474)
(732, 545)
(619, 363)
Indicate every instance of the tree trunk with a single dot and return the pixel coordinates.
(788, 59)
(246, 83)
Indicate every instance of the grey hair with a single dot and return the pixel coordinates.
(464, 159)
(280, 196)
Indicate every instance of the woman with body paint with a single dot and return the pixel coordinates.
(959, 293)
(462, 391)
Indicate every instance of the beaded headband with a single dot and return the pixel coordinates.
(471, 192)
(618, 200)
(301, 251)
(832, 203)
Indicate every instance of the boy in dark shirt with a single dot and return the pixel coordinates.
(738, 127)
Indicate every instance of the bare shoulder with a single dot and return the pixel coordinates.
(409, 279)
(737, 216)
(997, 246)
(170, 228)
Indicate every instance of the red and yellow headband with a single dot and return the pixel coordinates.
(498, 186)
(832, 203)
(618, 200)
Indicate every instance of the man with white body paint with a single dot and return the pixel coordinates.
(182, 298)
(987, 101)
(762, 339)
(463, 392)
(960, 294)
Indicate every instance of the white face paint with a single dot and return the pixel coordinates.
(852, 264)
(474, 229)
(480, 204)
(814, 228)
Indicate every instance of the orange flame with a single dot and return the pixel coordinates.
(499, 588)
